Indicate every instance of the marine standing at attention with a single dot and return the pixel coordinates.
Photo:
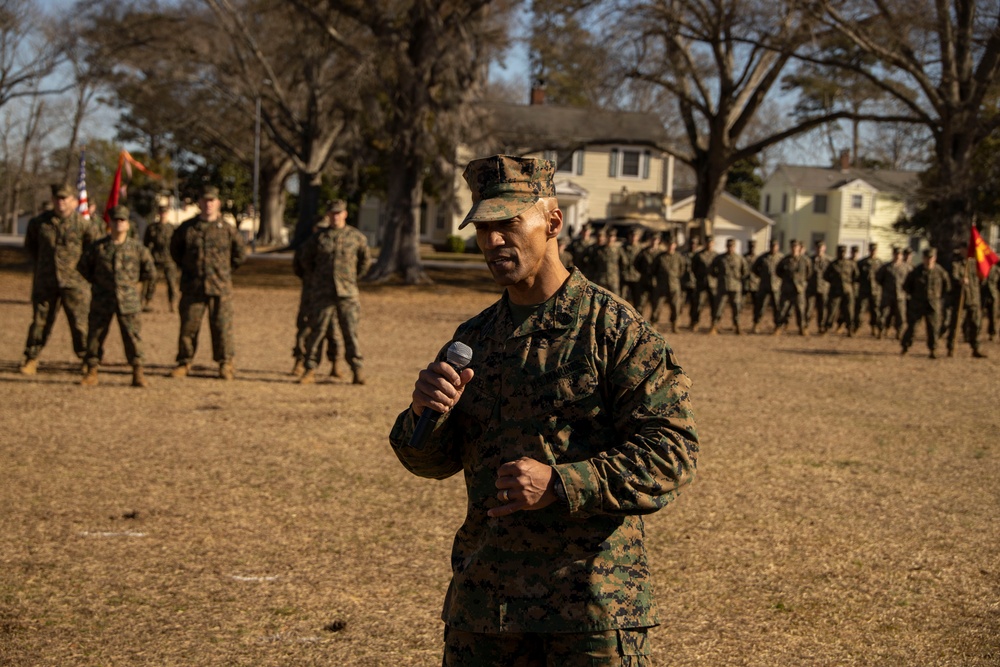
(207, 249)
(572, 420)
(55, 241)
(115, 266)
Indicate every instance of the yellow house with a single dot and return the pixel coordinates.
(597, 153)
(845, 206)
(734, 219)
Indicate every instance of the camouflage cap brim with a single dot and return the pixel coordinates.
(499, 208)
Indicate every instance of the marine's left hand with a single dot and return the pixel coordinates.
(526, 484)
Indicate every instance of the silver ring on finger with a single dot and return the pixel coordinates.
(505, 496)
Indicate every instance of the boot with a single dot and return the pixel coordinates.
(335, 369)
(737, 325)
(89, 378)
(803, 331)
(777, 330)
(181, 370)
(933, 355)
(29, 367)
(173, 308)
(359, 378)
(138, 378)
(713, 331)
(299, 368)
(673, 328)
(226, 370)
(309, 377)
(753, 329)
(976, 354)
(878, 334)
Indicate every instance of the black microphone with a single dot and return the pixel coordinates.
(458, 357)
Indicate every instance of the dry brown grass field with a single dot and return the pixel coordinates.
(846, 511)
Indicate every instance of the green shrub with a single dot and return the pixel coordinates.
(455, 244)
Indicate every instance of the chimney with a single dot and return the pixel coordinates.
(845, 160)
(538, 92)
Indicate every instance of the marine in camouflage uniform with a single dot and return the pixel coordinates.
(671, 267)
(769, 285)
(333, 258)
(891, 277)
(580, 248)
(869, 292)
(991, 300)
(926, 284)
(114, 266)
(606, 261)
(705, 284)
(752, 282)
(302, 330)
(967, 314)
(572, 420)
(55, 241)
(818, 291)
(207, 249)
(842, 274)
(795, 271)
(645, 263)
(630, 275)
(157, 240)
(730, 270)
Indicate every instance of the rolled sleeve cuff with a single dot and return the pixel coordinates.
(581, 483)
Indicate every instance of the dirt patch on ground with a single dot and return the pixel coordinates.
(845, 513)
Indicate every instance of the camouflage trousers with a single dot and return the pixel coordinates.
(840, 310)
(793, 301)
(169, 271)
(932, 320)
(991, 308)
(632, 291)
(760, 300)
(893, 312)
(299, 351)
(220, 322)
(347, 310)
(619, 648)
(819, 301)
(672, 298)
(75, 303)
(970, 320)
(868, 303)
(700, 297)
(735, 301)
(99, 324)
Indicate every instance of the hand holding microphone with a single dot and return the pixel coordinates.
(438, 389)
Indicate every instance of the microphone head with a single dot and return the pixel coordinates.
(459, 355)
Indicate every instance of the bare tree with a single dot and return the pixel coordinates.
(939, 60)
(716, 64)
(427, 61)
(26, 56)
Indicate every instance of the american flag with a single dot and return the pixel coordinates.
(81, 186)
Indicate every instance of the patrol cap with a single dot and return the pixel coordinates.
(119, 212)
(162, 202)
(60, 190)
(930, 252)
(336, 206)
(210, 192)
(730, 243)
(504, 186)
(842, 248)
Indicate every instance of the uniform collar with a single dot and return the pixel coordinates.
(561, 311)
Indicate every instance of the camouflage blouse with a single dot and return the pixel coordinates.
(587, 386)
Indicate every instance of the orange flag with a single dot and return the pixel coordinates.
(984, 256)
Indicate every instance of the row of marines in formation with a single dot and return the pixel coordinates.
(656, 276)
(95, 274)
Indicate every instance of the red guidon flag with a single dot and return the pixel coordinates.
(984, 256)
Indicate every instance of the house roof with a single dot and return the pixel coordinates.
(750, 211)
(903, 183)
(551, 127)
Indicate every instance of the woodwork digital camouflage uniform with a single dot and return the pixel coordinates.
(586, 385)
(795, 273)
(114, 271)
(730, 270)
(841, 274)
(670, 269)
(991, 300)
(765, 268)
(302, 330)
(891, 277)
(207, 253)
(333, 259)
(926, 287)
(606, 261)
(869, 292)
(55, 246)
(705, 284)
(965, 291)
(157, 240)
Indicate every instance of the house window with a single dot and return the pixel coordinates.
(784, 202)
(767, 203)
(568, 162)
(628, 163)
(857, 201)
(819, 204)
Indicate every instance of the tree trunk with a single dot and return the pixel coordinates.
(400, 252)
(273, 198)
(309, 187)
